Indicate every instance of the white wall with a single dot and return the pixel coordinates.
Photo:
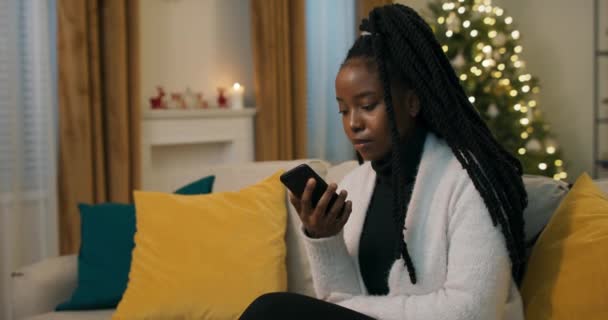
(203, 44)
(557, 38)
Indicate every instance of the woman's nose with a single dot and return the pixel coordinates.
(355, 122)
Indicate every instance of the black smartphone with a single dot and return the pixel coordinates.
(296, 178)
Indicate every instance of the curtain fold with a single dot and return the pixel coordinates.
(99, 111)
(279, 57)
(28, 141)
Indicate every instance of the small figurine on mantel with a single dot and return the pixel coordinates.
(201, 102)
(222, 102)
(160, 101)
(177, 101)
(189, 98)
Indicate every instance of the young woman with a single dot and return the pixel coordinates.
(433, 226)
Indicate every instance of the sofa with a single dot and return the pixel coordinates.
(38, 288)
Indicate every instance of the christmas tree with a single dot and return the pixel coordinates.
(482, 43)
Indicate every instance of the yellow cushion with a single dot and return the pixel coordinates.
(206, 256)
(567, 276)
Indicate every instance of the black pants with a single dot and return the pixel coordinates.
(285, 305)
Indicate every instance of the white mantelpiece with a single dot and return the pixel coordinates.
(177, 143)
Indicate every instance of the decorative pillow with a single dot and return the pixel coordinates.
(567, 275)
(200, 186)
(105, 251)
(208, 256)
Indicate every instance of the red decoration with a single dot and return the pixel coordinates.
(158, 102)
(221, 99)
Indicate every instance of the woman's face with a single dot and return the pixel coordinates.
(361, 103)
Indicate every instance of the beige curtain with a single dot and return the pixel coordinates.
(365, 6)
(279, 57)
(99, 112)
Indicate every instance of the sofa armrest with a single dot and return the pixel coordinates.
(40, 287)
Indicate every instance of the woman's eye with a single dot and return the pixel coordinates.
(369, 107)
(342, 112)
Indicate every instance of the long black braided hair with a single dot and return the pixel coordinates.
(399, 43)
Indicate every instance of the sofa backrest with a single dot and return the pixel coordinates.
(544, 195)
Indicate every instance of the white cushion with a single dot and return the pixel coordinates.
(233, 177)
(544, 196)
(602, 184)
(337, 172)
(41, 286)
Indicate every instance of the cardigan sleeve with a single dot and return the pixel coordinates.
(332, 268)
(478, 278)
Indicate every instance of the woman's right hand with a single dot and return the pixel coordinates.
(318, 221)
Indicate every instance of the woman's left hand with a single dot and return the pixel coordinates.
(322, 221)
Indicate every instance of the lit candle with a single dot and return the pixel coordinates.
(236, 96)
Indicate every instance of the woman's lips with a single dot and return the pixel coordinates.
(361, 144)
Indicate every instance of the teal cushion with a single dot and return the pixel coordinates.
(104, 259)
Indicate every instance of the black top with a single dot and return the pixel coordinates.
(379, 241)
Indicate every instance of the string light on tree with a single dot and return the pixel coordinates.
(449, 6)
(482, 43)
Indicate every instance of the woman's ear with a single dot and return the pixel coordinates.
(413, 103)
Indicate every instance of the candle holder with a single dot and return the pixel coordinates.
(236, 96)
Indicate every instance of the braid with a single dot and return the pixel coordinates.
(399, 205)
(402, 46)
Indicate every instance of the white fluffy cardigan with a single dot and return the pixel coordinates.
(462, 264)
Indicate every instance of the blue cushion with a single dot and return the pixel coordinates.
(104, 260)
